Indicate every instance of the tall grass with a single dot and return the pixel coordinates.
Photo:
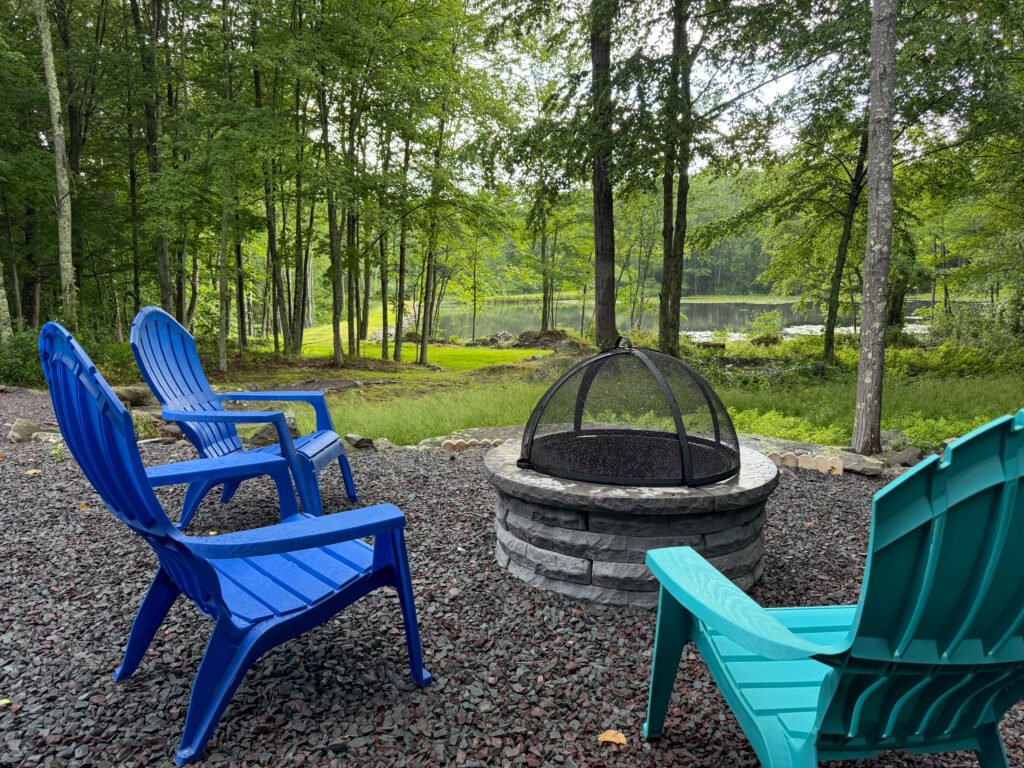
(411, 418)
(927, 411)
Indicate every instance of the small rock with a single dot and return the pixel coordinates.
(22, 431)
(47, 437)
(908, 457)
(358, 441)
(383, 444)
(267, 433)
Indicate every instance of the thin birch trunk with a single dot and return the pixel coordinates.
(63, 201)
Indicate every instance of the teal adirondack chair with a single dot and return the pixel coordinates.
(929, 660)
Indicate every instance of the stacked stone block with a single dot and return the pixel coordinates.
(589, 541)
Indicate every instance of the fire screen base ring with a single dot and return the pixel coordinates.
(606, 455)
(589, 540)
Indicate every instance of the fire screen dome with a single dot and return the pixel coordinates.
(631, 416)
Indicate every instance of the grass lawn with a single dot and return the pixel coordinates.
(927, 410)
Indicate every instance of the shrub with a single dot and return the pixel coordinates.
(766, 329)
(19, 360)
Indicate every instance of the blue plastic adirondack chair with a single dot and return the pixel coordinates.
(166, 355)
(262, 587)
(929, 660)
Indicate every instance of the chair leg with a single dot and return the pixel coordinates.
(194, 495)
(990, 751)
(228, 657)
(158, 601)
(403, 583)
(346, 473)
(285, 491)
(309, 489)
(671, 634)
(228, 491)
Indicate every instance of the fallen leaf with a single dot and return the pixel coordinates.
(2, 457)
(82, 505)
(612, 737)
(211, 533)
(5, 702)
(34, 472)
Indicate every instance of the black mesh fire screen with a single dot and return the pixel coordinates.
(631, 416)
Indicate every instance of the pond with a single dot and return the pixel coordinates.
(701, 317)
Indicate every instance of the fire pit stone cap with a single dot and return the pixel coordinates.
(757, 478)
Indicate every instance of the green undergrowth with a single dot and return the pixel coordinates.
(927, 410)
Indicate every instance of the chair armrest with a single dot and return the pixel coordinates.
(315, 399)
(217, 468)
(276, 418)
(715, 601)
(300, 532)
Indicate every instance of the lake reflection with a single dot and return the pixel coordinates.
(516, 317)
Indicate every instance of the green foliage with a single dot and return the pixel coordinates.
(19, 360)
(766, 329)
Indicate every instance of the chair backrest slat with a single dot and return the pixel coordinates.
(939, 636)
(167, 356)
(98, 431)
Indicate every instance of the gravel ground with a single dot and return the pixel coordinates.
(522, 677)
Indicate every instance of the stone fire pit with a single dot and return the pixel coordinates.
(588, 541)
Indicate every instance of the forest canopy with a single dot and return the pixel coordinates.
(260, 167)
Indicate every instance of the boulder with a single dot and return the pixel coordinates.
(908, 457)
(862, 465)
(22, 430)
(135, 395)
(267, 433)
(358, 441)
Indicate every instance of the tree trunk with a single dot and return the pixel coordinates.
(403, 230)
(351, 254)
(867, 425)
(63, 201)
(148, 42)
(222, 288)
(852, 202)
(333, 235)
(364, 305)
(298, 313)
(602, 15)
(133, 207)
(678, 138)
(6, 327)
(545, 304)
(240, 299)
